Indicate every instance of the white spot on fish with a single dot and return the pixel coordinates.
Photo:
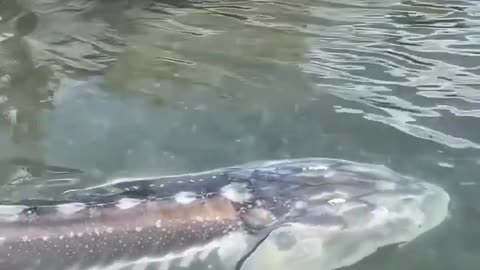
(336, 201)
(70, 208)
(315, 168)
(72, 234)
(185, 197)
(61, 237)
(25, 238)
(158, 223)
(199, 218)
(126, 203)
(236, 192)
(79, 234)
(109, 230)
(300, 205)
(45, 238)
(138, 229)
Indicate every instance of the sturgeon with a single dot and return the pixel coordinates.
(315, 213)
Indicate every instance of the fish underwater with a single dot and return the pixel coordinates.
(315, 213)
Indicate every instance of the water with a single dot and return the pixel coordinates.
(142, 87)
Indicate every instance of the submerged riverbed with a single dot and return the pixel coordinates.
(149, 87)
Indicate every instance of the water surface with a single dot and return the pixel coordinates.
(143, 87)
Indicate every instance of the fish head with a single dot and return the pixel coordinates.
(331, 213)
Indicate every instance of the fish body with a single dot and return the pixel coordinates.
(263, 215)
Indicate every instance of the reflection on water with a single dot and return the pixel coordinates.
(148, 86)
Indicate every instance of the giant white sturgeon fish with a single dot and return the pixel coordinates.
(313, 213)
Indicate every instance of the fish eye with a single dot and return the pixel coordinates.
(285, 240)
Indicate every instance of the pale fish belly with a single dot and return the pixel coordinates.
(222, 253)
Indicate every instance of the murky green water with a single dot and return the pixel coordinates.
(143, 87)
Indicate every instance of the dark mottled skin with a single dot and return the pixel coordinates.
(101, 233)
(151, 228)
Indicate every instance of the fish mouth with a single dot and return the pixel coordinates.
(435, 207)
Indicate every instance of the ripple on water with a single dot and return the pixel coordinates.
(409, 62)
(197, 84)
